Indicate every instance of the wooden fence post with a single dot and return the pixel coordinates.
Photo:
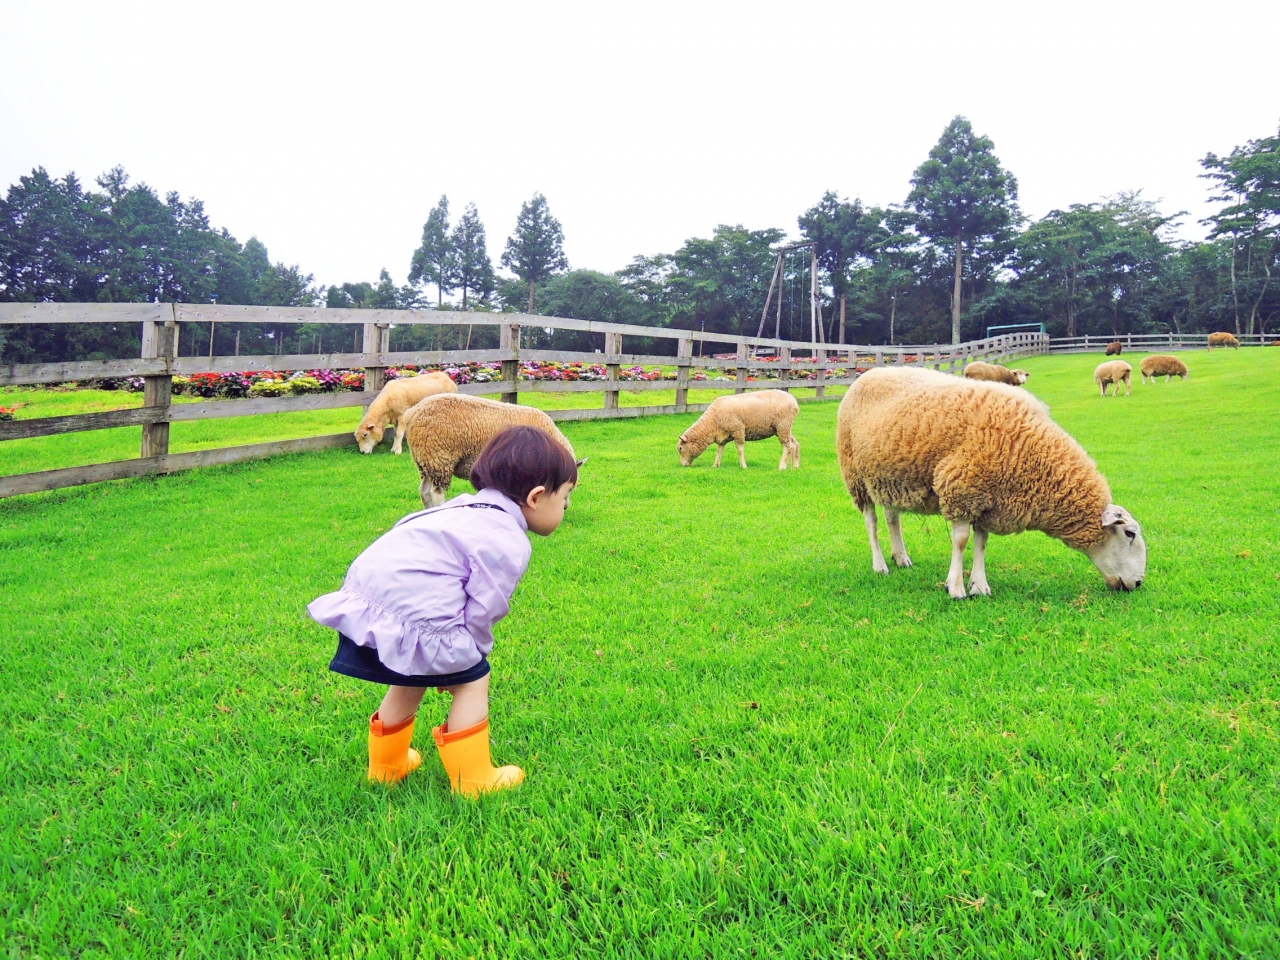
(822, 372)
(377, 340)
(612, 347)
(684, 365)
(158, 340)
(784, 374)
(509, 339)
(744, 353)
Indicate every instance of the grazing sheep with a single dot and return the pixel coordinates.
(1162, 365)
(995, 373)
(447, 432)
(743, 417)
(1114, 348)
(390, 404)
(1114, 371)
(989, 459)
(1223, 340)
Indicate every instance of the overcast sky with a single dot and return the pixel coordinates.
(329, 131)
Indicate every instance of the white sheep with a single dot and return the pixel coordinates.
(1114, 371)
(989, 459)
(447, 432)
(978, 370)
(743, 417)
(391, 403)
(1162, 365)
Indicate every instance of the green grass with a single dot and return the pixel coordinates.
(739, 740)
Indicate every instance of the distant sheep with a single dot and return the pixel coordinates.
(447, 432)
(1223, 340)
(1162, 365)
(1114, 348)
(390, 404)
(743, 417)
(989, 459)
(995, 373)
(1114, 371)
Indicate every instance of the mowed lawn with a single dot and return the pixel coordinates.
(739, 740)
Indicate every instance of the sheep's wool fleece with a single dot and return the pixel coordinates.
(1163, 365)
(447, 432)
(988, 453)
(1112, 371)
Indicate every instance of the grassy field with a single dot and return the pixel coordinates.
(739, 740)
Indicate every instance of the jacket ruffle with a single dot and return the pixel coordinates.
(414, 648)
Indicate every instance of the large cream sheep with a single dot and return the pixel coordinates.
(447, 432)
(1223, 340)
(390, 404)
(743, 417)
(1114, 371)
(989, 459)
(1162, 365)
(995, 373)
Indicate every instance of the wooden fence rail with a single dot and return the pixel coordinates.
(159, 363)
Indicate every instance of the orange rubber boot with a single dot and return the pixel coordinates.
(391, 759)
(465, 755)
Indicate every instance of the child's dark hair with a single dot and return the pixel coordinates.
(521, 458)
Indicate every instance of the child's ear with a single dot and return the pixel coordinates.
(531, 501)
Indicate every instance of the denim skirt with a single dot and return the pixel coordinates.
(363, 664)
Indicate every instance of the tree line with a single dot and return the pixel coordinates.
(953, 258)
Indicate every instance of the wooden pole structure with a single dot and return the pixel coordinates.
(777, 271)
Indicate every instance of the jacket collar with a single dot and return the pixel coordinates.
(499, 499)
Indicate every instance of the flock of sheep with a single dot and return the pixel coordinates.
(976, 449)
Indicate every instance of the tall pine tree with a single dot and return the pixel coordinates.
(962, 196)
(433, 261)
(473, 271)
(535, 252)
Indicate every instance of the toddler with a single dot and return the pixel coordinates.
(417, 608)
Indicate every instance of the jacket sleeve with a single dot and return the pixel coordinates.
(495, 567)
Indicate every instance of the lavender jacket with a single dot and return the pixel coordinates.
(427, 593)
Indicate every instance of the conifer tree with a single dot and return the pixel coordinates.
(473, 271)
(433, 261)
(535, 252)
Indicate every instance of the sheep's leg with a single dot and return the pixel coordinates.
(877, 555)
(893, 519)
(955, 577)
(795, 453)
(740, 443)
(719, 453)
(432, 494)
(786, 453)
(978, 578)
(397, 445)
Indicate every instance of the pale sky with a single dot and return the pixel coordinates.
(330, 130)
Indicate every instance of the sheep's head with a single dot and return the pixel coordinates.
(1121, 555)
(369, 435)
(1020, 376)
(687, 451)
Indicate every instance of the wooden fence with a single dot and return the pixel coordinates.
(160, 363)
(1149, 341)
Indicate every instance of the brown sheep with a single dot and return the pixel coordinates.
(447, 432)
(995, 373)
(1162, 365)
(1114, 348)
(1114, 371)
(390, 404)
(1223, 340)
(989, 459)
(742, 417)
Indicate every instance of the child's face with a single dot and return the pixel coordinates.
(543, 509)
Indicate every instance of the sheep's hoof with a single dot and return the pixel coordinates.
(903, 561)
(977, 588)
(879, 566)
(957, 591)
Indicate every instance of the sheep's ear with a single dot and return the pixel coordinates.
(579, 463)
(1114, 516)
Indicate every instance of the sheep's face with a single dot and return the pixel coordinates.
(369, 435)
(685, 449)
(1121, 557)
(1020, 377)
